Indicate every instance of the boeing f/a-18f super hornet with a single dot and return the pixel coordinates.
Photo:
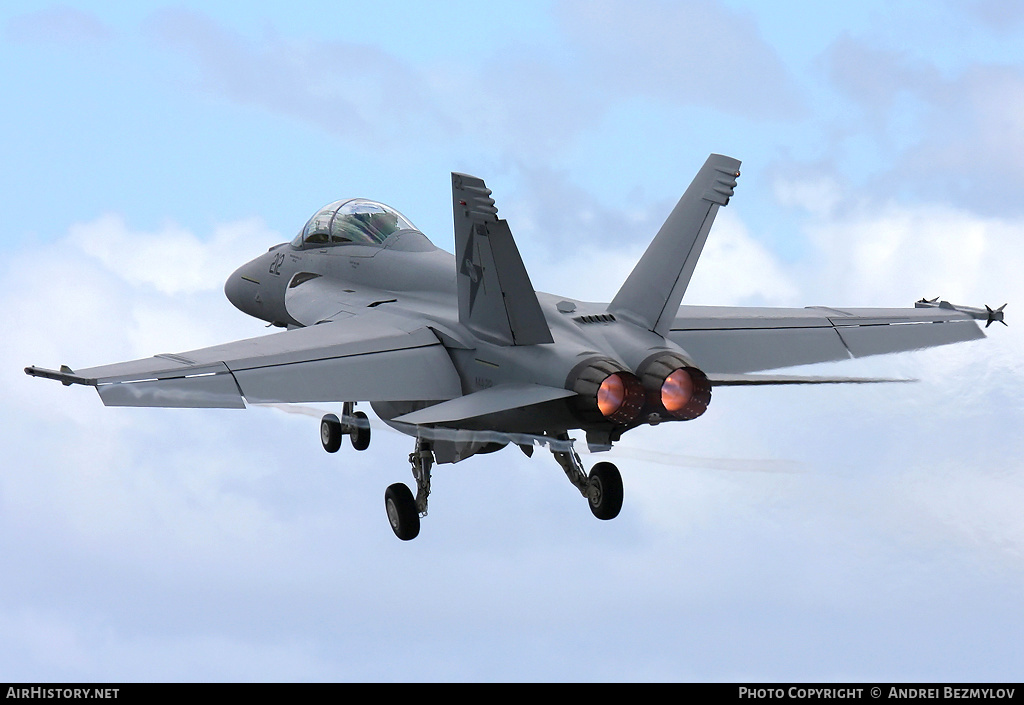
(464, 356)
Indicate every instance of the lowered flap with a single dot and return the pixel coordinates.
(208, 387)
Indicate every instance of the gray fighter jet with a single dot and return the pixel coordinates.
(464, 356)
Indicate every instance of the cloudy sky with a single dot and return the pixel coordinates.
(789, 534)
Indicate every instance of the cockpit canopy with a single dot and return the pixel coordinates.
(351, 221)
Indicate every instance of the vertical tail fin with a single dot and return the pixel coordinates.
(496, 298)
(654, 289)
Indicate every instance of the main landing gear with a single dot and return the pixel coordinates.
(353, 424)
(403, 510)
(602, 487)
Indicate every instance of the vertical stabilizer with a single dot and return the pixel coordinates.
(654, 289)
(496, 298)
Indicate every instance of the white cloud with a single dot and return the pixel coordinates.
(579, 246)
(891, 255)
(172, 260)
(818, 196)
(735, 269)
(105, 293)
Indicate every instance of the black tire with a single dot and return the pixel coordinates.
(605, 491)
(330, 433)
(403, 515)
(360, 432)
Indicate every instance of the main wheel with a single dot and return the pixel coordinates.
(402, 512)
(360, 431)
(605, 491)
(330, 433)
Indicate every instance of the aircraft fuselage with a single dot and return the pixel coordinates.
(413, 280)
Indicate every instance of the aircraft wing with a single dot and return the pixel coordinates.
(357, 359)
(724, 339)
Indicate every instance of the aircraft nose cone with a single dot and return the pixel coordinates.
(240, 291)
(231, 289)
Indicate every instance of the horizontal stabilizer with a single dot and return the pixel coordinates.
(503, 397)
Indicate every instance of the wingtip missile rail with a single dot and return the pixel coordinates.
(65, 376)
(987, 314)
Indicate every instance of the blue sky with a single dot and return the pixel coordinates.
(869, 534)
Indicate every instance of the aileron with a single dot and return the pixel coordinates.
(738, 339)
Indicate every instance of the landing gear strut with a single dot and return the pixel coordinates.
(602, 488)
(404, 511)
(354, 424)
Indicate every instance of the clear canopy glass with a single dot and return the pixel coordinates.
(355, 220)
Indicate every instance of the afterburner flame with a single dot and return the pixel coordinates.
(605, 392)
(677, 390)
(610, 395)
